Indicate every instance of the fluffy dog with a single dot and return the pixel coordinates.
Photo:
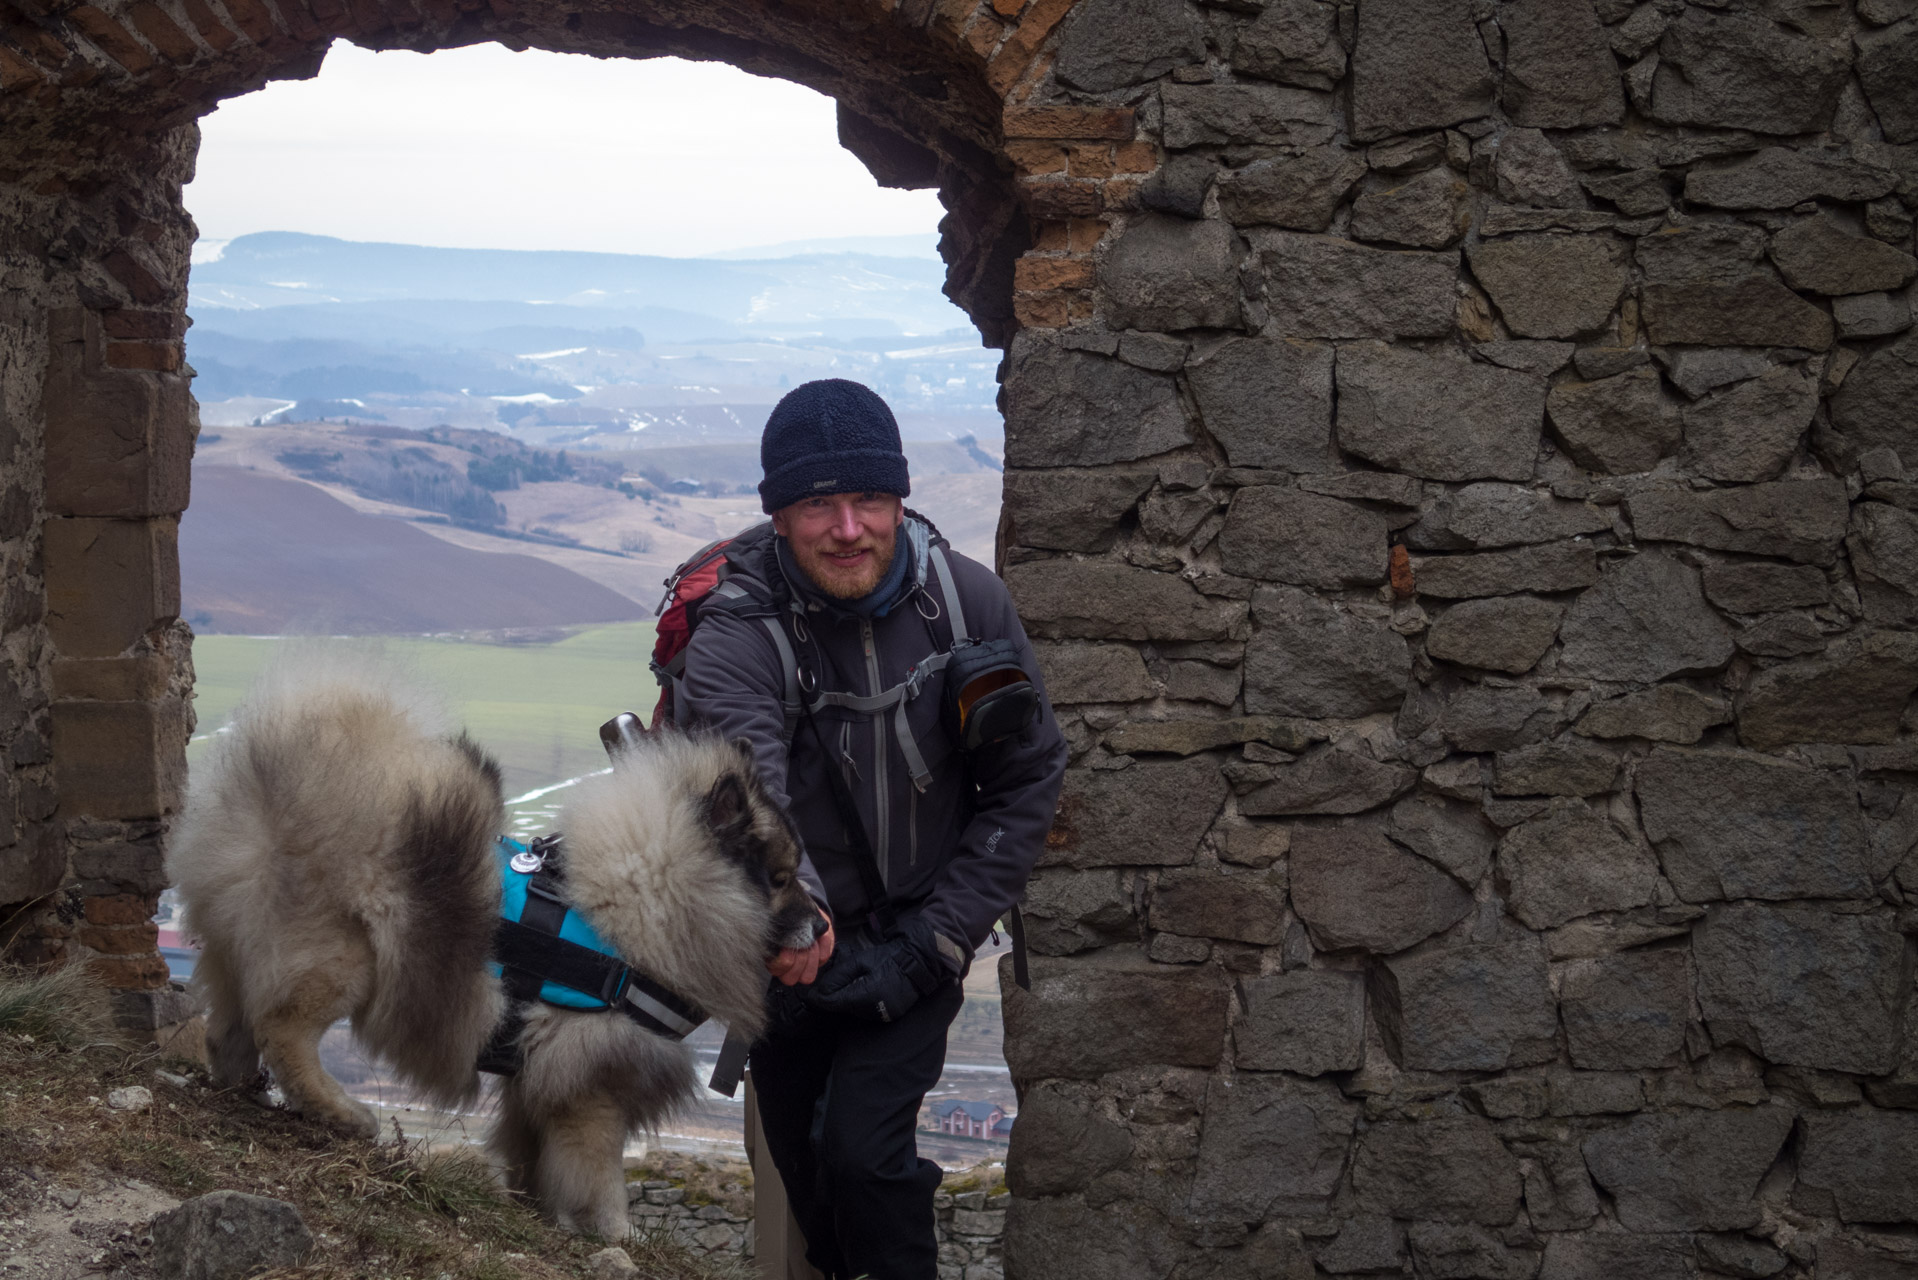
(335, 858)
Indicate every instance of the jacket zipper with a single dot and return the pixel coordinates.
(881, 810)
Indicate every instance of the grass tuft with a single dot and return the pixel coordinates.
(67, 1007)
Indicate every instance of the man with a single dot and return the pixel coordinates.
(864, 592)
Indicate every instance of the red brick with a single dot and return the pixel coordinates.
(1085, 234)
(1400, 568)
(208, 24)
(253, 18)
(1112, 123)
(154, 357)
(296, 20)
(1089, 160)
(1008, 8)
(163, 32)
(1079, 307)
(1052, 198)
(368, 16)
(1031, 273)
(121, 908)
(1033, 158)
(1040, 310)
(111, 37)
(1123, 193)
(16, 72)
(35, 45)
(109, 582)
(140, 283)
(1135, 157)
(983, 35)
(1038, 23)
(1052, 236)
(119, 940)
(131, 973)
(128, 323)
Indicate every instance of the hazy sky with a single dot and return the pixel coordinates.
(486, 148)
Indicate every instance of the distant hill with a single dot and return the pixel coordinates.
(264, 555)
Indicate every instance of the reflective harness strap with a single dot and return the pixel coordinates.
(896, 698)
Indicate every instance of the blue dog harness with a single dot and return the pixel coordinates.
(544, 950)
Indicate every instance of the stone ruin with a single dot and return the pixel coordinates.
(1457, 476)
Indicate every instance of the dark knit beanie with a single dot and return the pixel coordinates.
(830, 436)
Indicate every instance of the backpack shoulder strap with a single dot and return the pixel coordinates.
(955, 610)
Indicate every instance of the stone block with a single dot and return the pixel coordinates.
(1209, 902)
(1741, 70)
(1552, 286)
(1452, 835)
(1645, 620)
(1365, 1244)
(1268, 402)
(1076, 673)
(1804, 987)
(1572, 862)
(1688, 1170)
(1843, 1260)
(1697, 370)
(1297, 191)
(1871, 315)
(1531, 173)
(1069, 910)
(1327, 781)
(1781, 177)
(1616, 425)
(1554, 566)
(1166, 274)
(1417, 65)
(1860, 1163)
(1308, 1022)
(1481, 718)
(118, 444)
(1151, 814)
(1430, 210)
(1884, 553)
(1787, 635)
(1188, 737)
(136, 679)
(1114, 44)
(1855, 693)
(1292, 42)
(228, 1235)
(109, 582)
(1751, 431)
(1757, 588)
(1558, 1190)
(1816, 255)
(1736, 824)
(1302, 538)
(1451, 1169)
(1559, 71)
(1062, 406)
(1202, 115)
(1628, 1011)
(119, 759)
(1720, 252)
(1754, 312)
(1062, 1142)
(1354, 888)
(1309, 659)
(1062, 1238)
(1603, 1255)
(1439, 417)
(1464, 1251)
(1272, 1252)
(1801, 520)
(1888, 70)
(1072, 509)
(1087, 1015)
(1564, 767)
(1105, 600)
(1740, 1255)
(1324, 287)
(1270, 1145)
(1474, 1007)
(1503, 633)
(1480, 516)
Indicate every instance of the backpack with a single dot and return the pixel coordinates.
(700, 580)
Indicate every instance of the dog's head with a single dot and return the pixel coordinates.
(757, 839)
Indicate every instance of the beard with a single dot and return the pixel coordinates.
(840, 581)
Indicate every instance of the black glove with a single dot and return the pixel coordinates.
(882, 981)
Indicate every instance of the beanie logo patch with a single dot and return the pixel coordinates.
(825, 484)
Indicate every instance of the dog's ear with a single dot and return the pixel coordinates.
(729, 808)
(743, 746)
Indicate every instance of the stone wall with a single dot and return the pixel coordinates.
(1466, 521)
(1457, 478)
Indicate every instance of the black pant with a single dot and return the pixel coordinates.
(838, 1104)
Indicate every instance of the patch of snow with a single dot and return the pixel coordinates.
(537, 397)
(552, 355)
(209, 250)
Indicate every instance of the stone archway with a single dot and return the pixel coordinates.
(1457, 473)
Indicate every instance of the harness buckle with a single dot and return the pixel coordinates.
(526, 862)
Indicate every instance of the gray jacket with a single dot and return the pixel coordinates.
(958, 852)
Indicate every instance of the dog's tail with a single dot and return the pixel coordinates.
(435, 1001)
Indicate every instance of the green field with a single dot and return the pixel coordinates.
(537, 707)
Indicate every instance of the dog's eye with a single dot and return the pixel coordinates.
(781, 879)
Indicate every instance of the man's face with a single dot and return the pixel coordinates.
(844, 542)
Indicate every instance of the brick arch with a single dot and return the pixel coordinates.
(98, 108)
